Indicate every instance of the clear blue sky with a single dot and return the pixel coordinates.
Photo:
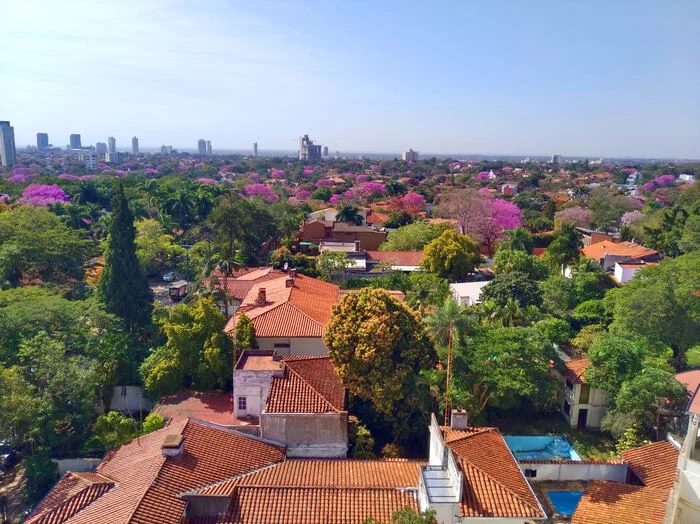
(607, 77)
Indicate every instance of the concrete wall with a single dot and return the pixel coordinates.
(308, 435)
(254, 386)
(129, 399)
(575, 470)
(297, 346)
(596, 406)
(76, 464)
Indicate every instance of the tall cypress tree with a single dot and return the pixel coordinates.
(123, 287)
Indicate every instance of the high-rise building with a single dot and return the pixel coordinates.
(42, 141)
(101, 148)
(325, 151)
(307, 149)
(111, 145)
(166, 150)
(112, 157)
(75, 141)
(135, 145)
(8, 154)
(208, 147)
(202, 147)
(555, 159)
(255, 149)
(89, 158)
(409, 156)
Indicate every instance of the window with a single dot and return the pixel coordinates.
(531, 473)
(567, 408)
(277, 346)
(570, 385)
(241, 403)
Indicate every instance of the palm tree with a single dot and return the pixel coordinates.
(446, 325)
(150, 187)
(518, 239)
(226, 263)
(349, 214)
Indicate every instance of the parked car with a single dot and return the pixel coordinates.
(8, 456)
(169, 276)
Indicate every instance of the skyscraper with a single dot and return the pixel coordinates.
(307, 149)
(111, 144)
(555, 159)
(135, 145)
(101, 148)
(75, 141)
(255, 149)
(325, 151)
(202, 147)
(208, 147)
(8, 155)
(42, 141)
(409, 156)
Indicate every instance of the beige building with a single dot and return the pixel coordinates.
(582, 406)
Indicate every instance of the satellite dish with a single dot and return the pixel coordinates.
(286, 266)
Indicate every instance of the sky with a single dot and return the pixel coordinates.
(605, 78)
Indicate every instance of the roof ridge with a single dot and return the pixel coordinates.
(515, 494)
(196, 491)
(313, 389)
(292, 304)
(481, 431)
(364, 488)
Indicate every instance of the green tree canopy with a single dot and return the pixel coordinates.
(427, 290)
(564, 249)
(614, 359)
(512, 285)
(508, 261)
(245, 333)
(413, 237)
(451, 256)
(518, 239)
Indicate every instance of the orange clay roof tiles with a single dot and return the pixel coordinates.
(302, 310)
(606, 502)
(309, 385)
(494, 485)
(655, 464)
(575, 369)
(397, 258)
(600, 249)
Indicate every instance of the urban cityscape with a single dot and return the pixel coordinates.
(320, 262)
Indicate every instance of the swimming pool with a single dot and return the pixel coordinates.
(540, 448)
(565, 502)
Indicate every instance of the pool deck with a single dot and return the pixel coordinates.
(541, 489)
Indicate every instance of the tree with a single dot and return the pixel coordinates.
(114, 429)
(614, 359)
(348, 213)
(509, 261)
(413, 237)
(197, 353)
(407, 515)
(427, 290)
(451, 255)
(41, 473)
(155, 249)
(575, 216)
(690, 239)
(153, 422)
(332, 264)
(607, 209)
(122, 287)
(245, 333)
(378, 347)
(518, 239)
(226, 263)
(361, 440)
(514, 285)
(661, 304)
(565, 248)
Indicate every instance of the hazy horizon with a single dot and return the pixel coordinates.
(597, 80)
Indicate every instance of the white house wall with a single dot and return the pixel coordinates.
(311, 346)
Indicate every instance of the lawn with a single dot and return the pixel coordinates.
(693, 357)
(588, 444)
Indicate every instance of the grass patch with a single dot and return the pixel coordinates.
(588, 444)
(693, 357)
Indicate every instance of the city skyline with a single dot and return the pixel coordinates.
(583, 80)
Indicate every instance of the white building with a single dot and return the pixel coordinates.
(112, 157)
(111, 144)
(89, 158)
(8, 154)
(467, 293)
(208, 147)
(409, 156)
(202, 147)
(686, 178)
(307, 149)
(582, 406)
(135, 145)
(556, 159)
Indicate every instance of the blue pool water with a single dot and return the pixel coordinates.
(565, 502)
(541, 448)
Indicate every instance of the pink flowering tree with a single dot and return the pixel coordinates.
(648, 187)
(262, 191)
(482, 176)
(372, 189)
(277, 173)
(334, 198)
(324, 182)
(43, 195)
(68, 176)
(665, 180)
(303, 194)
(630, 217)
(308, 170)
(205, 180)
(410, 203)
(576, 216)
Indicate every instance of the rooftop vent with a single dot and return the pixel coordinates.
(262, 296)
(459, 419)
(172, 446)
(289, 282)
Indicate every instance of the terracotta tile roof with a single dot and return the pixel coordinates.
(691, 379)
(397, 258)
(209, 406)
(147, 485)
(655, 465)
(600, 249)
(309, 385)
(606, 502)
(302, 310)
(574, 370)
(73, 492)
(377, 218)
(239, 286)
(325, 474)
(494, 485)
(318, 491)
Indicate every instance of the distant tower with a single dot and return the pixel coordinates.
(75, 141)
(307, 149)
(111, 145)
(325, 151)
(42, 141)
(255, 149)
(101, 148)
(208, 147)
(202, 147)
(135, 146)
(409, 156)
(8, 154)
(555, 159)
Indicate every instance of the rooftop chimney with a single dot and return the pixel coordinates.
(459, 419)
(262, 296)
(293, 273)
(172, 446)
(357, 245)
(289, 282)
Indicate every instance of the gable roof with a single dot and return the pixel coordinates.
(239, 284)
(494, 485)
(309, 385)
(606, 502)
(300, 310)
(691, 380)
(600, 249)
(397, 258)
(575, 369)
(317, 491)
(146, 484)
(655, 464)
